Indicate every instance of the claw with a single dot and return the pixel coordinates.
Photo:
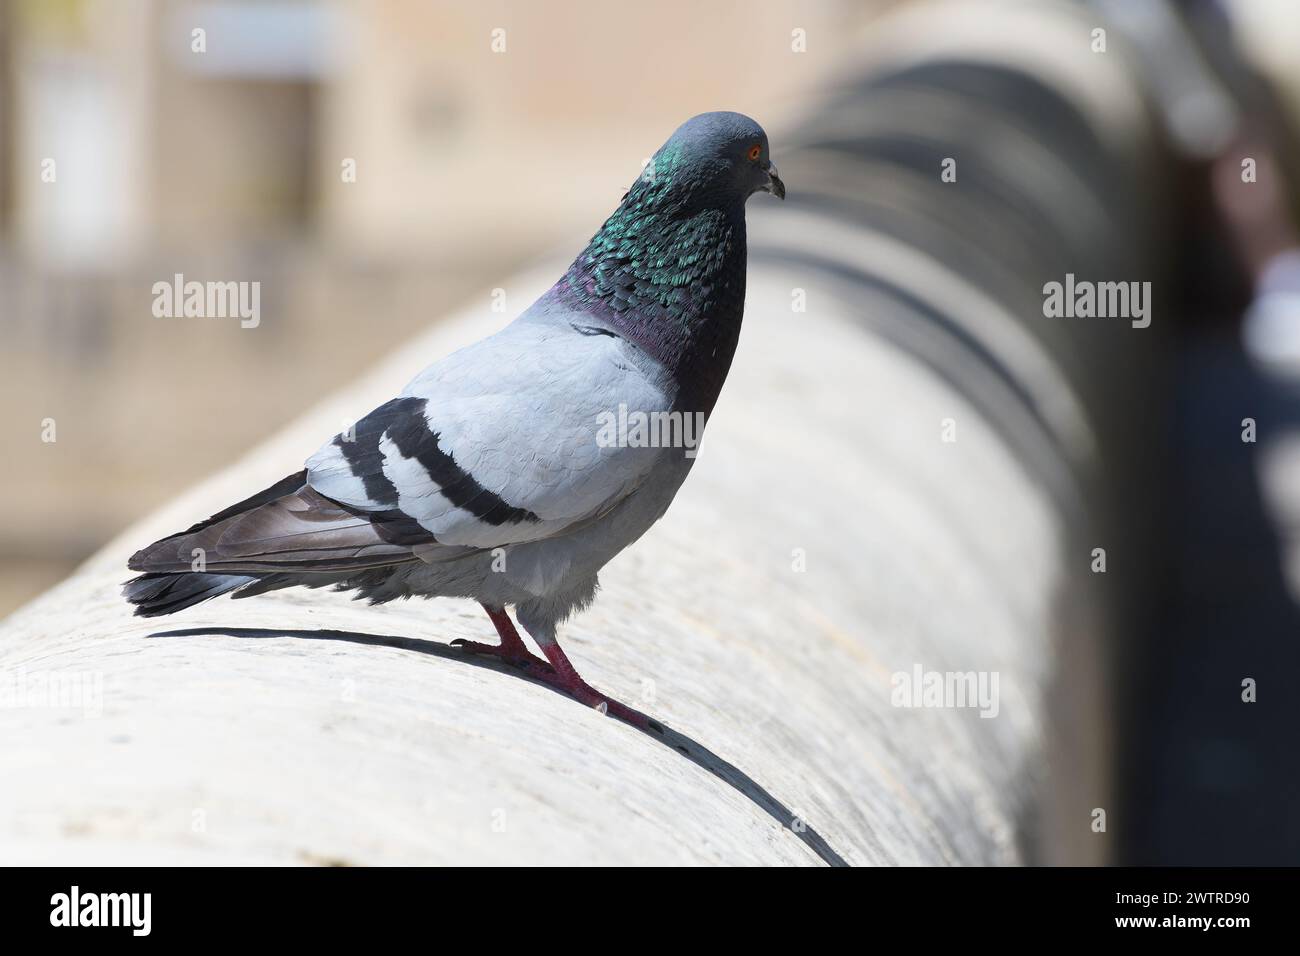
(517, 657)
(556, 672)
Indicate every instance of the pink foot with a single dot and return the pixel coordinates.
(559, 673)
(565, 677)
(522, 659)
(512, 649)
(586, 694)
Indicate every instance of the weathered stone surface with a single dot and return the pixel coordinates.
(302, 727)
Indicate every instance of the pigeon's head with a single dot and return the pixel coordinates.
(719, 154)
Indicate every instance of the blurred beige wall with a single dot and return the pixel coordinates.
(444, 129)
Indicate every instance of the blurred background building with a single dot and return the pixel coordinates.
(228, 164)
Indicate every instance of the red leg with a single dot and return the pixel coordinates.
(512, 648)
(567, 679)
(559, 673)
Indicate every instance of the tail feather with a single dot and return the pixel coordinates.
(289, 527)
(283, 536)
(157, 594)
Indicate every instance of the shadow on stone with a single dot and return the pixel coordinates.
(680, 743)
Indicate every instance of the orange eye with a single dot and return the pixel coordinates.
(755, 151)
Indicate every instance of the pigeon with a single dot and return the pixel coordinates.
(495, 474)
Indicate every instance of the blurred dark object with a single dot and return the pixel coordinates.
(1210, 779)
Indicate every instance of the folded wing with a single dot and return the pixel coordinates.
(500, 443)
(287, 527)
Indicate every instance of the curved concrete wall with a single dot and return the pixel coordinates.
(831, 543)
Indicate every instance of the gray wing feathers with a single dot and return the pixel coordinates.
(498, 443)
(298, 531)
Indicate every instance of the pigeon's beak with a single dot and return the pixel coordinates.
(774, 184)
